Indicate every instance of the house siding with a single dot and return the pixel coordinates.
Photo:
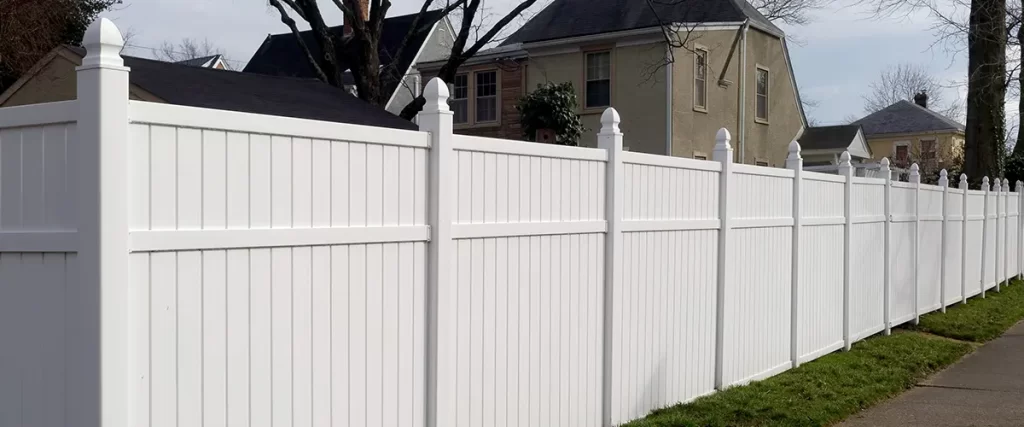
(638, 90)
(770, 141)
(56, 81)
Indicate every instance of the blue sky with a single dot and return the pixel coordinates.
(835, 57)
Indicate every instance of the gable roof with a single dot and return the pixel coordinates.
(254, 93)
(281, 54)
(575, 18)
(835, 139)
(906, 117)
(201, 61)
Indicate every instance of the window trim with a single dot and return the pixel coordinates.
(767, 95)
(611, 78)
(704, 50)
(471, 121)
(895, 150)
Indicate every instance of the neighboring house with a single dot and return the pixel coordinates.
(909, 132)
(823, 145)
(733, 71)
(212, 61)
(281, 54)
(53, 79)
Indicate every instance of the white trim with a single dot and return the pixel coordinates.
(903, 218)
(234, 121)
(822, 177)
(523, 148)
(640, 41)
(821, 352)
(517, 229)
(551, 52)
(823, 220)
(632, 226)
(761, 222)
(39, 114)
(39, 241)
(868, 219)
(767, 94)
(412, 65)
(635, 158)
(669, 77)
(762, 171)
(188, 240)
(762, 375)
(697, 49)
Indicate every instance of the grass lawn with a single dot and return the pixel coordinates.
(979, 320)
(840, 384)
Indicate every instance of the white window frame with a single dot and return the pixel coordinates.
(586, 78)
(496, 96)
(767, 94)
(471, 98)
(697, 51)
(468, 98)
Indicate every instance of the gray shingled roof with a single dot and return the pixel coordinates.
(906, 117)
(254, 93)
(828, 137)
(200, 61)
(573, 18)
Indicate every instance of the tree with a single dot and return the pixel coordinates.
(29, 29)
(187, 49)
(902, 82)
(551, 106)
(359, 45)
(792, 12)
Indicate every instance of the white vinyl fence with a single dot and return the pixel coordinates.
(164, 265)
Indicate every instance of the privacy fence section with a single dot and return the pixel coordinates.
(164, 265)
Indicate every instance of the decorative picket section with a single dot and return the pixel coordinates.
(164, 265)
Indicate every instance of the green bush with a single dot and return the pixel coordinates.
(551, 106)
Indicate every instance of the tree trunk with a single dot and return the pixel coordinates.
(1018, 147)
(986, 88)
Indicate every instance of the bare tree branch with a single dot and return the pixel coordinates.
(287, 20)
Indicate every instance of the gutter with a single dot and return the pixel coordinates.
(742, 125)
(668, 98)
(615, 35)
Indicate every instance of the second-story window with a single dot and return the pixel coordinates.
(700, 82)
(486, 96)
(599, 80)
(460, 99)
(762, 95)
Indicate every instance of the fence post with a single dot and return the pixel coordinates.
(984, 232)
(102, 183)
(723, 155)
(795, 163)
(963, 241)
(436, 118)
(886, 253)
(610, 140)
(1006, 229)
(998, 189)
(944, 183)
(846, 170)
(915, 178)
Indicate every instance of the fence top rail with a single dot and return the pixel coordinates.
(234, 121)
(50, 113)
(956, 191)
(927, 187)
(526, 148)
(823, 177)
(762, 171)
(669, 161)
(868, 181)
(976, 192)
(907, 185)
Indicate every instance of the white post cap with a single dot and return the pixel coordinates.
(103, 44)
(436, 94)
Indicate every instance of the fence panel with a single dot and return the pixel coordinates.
(929, 256)
(1013, 234)
(902, 241)
(820, 310)
(975, 236)
(867, 290)
(665, 352)
(989, 257)
(954, 245)
(758, 289)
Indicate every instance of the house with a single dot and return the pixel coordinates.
(909, 132)
(212, 61)
(281, 54)
(822, 145)
(731, 70)
(53, 79)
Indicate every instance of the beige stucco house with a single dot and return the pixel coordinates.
(721, 64)
(908, 132)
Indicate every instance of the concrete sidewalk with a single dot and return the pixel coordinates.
(986, 388)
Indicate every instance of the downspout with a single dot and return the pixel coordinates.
(668, 98)
(742, 125)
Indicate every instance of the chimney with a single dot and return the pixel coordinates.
(362, 8)
(921, 98)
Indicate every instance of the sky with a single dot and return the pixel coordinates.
(835, 57)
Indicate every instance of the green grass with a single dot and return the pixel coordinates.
(979, 320)
(823, 391)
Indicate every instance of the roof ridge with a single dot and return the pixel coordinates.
(218, 70)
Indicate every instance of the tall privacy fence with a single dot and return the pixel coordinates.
(164, 265)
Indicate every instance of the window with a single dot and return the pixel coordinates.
(927, 149)
(700, 80)
(460, 99)
(599, 80)
(902, 153)
(486, 96)
(762, 95)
